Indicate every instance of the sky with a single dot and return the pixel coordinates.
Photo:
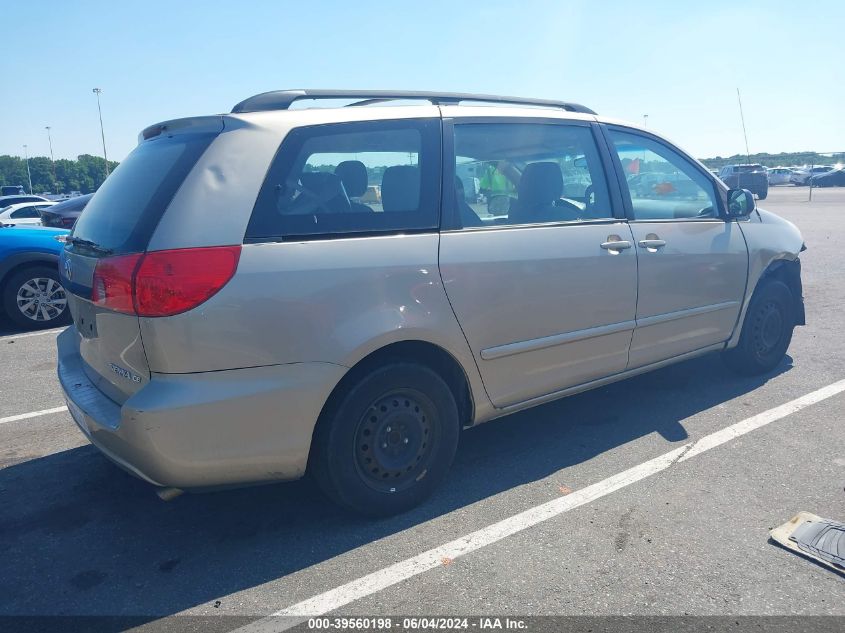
(678, 62)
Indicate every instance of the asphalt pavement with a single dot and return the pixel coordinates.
(80, 537)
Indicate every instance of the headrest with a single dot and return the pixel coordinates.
(318, 181)
(541, 183)
(400, 188)
(353, 174)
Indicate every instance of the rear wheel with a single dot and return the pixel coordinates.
(33, 298)
(766, 330)
(387, 443)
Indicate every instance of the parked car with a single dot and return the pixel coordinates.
(780, 176)
(23, 213)
(304, 331)
(65, 213)
(752, 177)
(11, 190)
(31, 293)
(833, 178)
(802, 176)
(6, 201)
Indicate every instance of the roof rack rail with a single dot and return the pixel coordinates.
(283, 99)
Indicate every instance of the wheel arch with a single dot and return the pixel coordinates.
(789, 272)
(421, 352)
(785, 269)
(12, 264)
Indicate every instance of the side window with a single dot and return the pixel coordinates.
(347, 178)
(527, 173)
(25, 212)
(662, 183)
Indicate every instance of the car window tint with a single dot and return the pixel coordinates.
(25, 212)
(348, 178)
(527, 173)
(662, 184)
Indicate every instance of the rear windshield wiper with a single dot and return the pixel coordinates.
(92, 246)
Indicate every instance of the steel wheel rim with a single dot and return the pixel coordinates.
(768, 328)
(41, 299)
(394, 440)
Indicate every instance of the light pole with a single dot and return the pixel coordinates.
(97, 92)
(645, 120)
(52, 160)
(28, 174)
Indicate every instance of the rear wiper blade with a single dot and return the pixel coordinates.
(78, 241)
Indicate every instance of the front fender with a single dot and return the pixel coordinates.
(773, 245)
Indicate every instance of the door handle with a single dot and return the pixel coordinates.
(616, 245)
(652, 245)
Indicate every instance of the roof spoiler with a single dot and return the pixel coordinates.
(191, 125)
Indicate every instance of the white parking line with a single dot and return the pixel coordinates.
(31, 414)
(403, 570)
(28, 334)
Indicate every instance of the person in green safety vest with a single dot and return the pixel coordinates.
(498, 184)
(497, 179)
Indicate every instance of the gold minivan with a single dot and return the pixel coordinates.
(252, 312)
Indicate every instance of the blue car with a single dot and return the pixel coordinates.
(31, 294)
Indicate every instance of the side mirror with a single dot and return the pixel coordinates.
(499, 205)
(740, 203)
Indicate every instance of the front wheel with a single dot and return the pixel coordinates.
(766, 330)
(33, 298)
(387, 443)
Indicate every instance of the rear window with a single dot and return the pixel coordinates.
(351, 178)
(747, 168)
(123, 214)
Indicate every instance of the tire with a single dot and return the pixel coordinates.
(388, 441)
(766, 330)
(763, 194)
(32, 302)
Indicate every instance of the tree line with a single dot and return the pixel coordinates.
(784, 159)
(84, 174)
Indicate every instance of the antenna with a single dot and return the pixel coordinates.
(744, 133)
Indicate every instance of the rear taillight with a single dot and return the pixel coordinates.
(68, 222)
(170, 282)
(113, 283)
(163, 283)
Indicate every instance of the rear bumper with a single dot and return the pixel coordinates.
(203, 430)
(754, 184)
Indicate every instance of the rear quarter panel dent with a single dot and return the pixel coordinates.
(213, 205)
(332, 301)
